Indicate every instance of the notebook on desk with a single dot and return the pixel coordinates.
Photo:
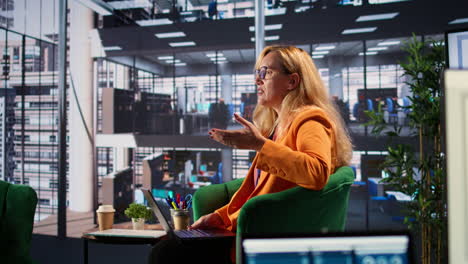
(128, 233)
(160, 211)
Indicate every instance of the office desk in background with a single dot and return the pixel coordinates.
(122, 240)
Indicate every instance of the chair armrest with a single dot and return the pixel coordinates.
(209, 198)
(299, 209)
(17, 224)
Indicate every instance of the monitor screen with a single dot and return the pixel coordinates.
(457, 49)
(456, 137)
(365, 249)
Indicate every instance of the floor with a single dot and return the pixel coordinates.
(383, 215)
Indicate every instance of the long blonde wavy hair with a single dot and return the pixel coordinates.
(310, 92)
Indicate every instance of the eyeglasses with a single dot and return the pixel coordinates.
(264, 70)
(261, 72)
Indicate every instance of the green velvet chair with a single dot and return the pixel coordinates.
(17, 208)
(296, 210)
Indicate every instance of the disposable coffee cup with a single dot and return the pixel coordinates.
(105, 217)
(180, 218)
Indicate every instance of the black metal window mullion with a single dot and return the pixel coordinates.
(23, 101)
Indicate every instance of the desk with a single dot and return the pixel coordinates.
(119, 240)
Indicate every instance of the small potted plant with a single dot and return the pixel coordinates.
(139, 213)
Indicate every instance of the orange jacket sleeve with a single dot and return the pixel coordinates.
(308, 163)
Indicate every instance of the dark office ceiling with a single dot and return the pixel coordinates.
(315, 26)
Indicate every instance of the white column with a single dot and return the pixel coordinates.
(259, 26)
(226, 159)
(81, 148)
(121, 158)
(226, 88)
(335, 81)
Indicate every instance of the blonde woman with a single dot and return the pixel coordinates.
(297, 132)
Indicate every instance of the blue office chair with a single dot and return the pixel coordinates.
(356, 111)
(406, 104)
(370, 105)
(392, 114)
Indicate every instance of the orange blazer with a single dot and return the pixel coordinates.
(305, 155)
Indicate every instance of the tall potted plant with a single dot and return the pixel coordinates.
(426, 184)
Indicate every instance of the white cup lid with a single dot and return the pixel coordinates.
(107, 208)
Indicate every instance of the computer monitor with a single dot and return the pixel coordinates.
(345, 248)
(456, 128)
(153, 171)
(457, 49)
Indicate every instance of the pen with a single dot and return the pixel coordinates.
(168, 201)
(175, 205)
(177, 198)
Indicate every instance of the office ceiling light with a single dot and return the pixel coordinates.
(330, 47)
(182, 44)
(318, 57)
(368, 53)
(173, 61)
(275, 11)
(268, 27)
(459, 21)
(111, 48)
(389, 43)
(376, 2)
(165, 57)
(322, 52)
(213, 55)
(377, 48)
(219, 62)
(219, 59)
(358, 30)
(98, 6)
(133, 4)
(154, 22)
(375, 17)
(180, 64)
(437, 43)
(177, 34)
(268, 38)
(301, 9)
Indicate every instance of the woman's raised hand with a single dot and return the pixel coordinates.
(247, 138)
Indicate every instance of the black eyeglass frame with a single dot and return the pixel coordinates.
(261, 72)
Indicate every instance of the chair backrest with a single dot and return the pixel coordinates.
(370, 105)
(389, 105)
(355, 110)
(298, 210)
(406, 104)
(17, 208)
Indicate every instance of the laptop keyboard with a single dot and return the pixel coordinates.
(192, 233)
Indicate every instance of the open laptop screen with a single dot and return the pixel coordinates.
(365, 249)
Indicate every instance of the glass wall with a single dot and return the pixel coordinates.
(30, 81)
(360, 76)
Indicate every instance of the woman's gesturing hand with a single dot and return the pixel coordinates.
(208, 221)
(247, 138)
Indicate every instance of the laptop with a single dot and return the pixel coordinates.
(163, 217)
(349, 248)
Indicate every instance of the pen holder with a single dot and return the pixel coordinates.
(181, 218)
